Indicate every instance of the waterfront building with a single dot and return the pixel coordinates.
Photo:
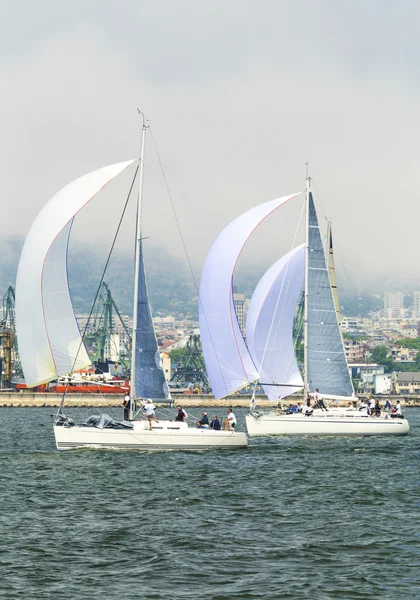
(365, 374)
(382, 383)
(406, 382)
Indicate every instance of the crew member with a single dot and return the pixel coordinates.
(181, 414)
(126, 404)
(204, 421)
(215, 423)
(149, 413)
(230, 422)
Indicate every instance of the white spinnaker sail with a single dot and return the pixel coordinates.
(269, 325)
(47, 331)
(228, 362)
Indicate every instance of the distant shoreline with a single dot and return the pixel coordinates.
(28, 399)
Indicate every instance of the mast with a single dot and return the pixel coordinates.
(137, 268)
(305, 314)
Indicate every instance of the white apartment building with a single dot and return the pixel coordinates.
(350, 324)
(393, 304)
(416, 304)
(239, 304)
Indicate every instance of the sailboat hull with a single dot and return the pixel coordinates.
(165, 435)
(326, 423)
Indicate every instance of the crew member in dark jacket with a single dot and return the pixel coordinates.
(215, 423)
(204, 421)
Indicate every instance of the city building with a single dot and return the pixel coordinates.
(406, 355)
(416, 304)
(406, 382)
(239, 304)
(166, 365)
(393, 304)
(382, 383)
(350, 325)
(354, 351)
(365, 374)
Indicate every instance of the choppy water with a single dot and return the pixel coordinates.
(316, 518)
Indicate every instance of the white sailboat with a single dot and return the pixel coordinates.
(268, 355)
(51, 346)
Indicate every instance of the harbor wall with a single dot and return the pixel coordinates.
(35, 400)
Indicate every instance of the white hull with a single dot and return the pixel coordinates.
(165, 435)
(325, 423)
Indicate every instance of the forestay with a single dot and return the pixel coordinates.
(228, 362)
(269, 325)
(49, 338)
(326, 363)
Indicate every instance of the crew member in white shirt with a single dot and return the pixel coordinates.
(230, 420)
(398, 410)
(149, 413)
(363, 408)
(319, 403)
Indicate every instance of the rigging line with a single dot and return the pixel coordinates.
(100, 283)
(184, 246)
(173, 210)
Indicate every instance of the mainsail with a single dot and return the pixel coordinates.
(228, 362)
(49, 338)
(326, 361)
(269, 325)
(148, 381)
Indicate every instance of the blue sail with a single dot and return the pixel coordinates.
(149, 378)
(326, 360)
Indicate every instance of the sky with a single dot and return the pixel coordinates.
(239, 96)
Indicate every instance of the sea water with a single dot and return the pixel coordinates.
(295, 518)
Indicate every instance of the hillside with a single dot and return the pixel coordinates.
(171, 286)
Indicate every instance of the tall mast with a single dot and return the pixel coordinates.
(305, 314)
(137, 268)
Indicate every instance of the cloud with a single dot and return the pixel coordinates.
(240, 96)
